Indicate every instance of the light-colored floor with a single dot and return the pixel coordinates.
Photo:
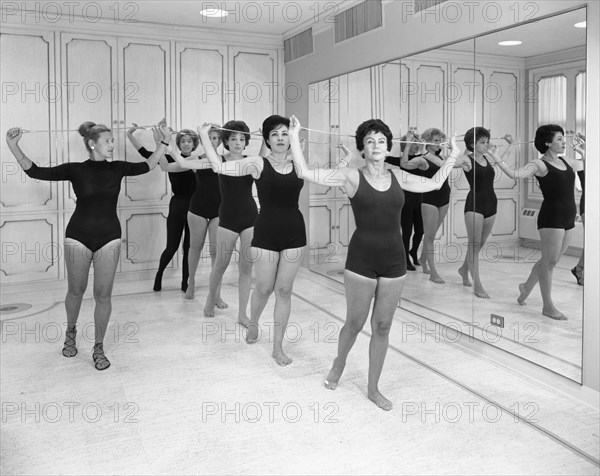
(556, 345)
(186, 395)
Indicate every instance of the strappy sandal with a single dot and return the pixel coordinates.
(100, 360)
(70, 349)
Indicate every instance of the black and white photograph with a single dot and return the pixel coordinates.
(306, 237)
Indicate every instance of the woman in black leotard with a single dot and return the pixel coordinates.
(237, 215)
(376, 262)
(556, 219)
(183, 186)
(93, 232)
(411, 216)
(279, 232)
(481, 203)
(579, 147)
(203, 213)
(434, 206)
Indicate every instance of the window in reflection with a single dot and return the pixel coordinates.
(580, 83)
(552, 105)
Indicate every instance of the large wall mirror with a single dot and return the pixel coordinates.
(507, 90)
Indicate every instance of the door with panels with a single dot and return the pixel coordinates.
(127, 82)
(30, 219)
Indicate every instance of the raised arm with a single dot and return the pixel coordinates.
(420, 163)
(536, 167)
(164, 132)
(236, 168)
(334, 177)
(417, 184)
(134, 142)
(13, 136)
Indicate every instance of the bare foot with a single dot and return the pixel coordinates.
(189, 293)
(425, 266)
(243, 320)
(554, 313)
(480, 293)
(209, 309)
(252, 334)
(333, 377)
(281, 358)
(464, 274)
(380, 400)
(437, 279)
(523, 295)
(221, 304)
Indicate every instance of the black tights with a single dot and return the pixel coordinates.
(176, 226)
(411, 216)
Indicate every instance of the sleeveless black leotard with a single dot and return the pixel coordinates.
(280, 224)
(376, 249)
(238, 209)
(97, 185)
(207, 198)
(558, 208)
(437, 198)
(482, 197)
(581, 174)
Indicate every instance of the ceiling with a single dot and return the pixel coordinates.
(281, 18)
(539, 37)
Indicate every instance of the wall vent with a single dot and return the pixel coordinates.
(359, 19)
(298, 45)
(425, 4)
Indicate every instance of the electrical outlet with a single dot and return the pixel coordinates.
(497, 320)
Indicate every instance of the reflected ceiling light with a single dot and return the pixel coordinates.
(581, 24)
(510, 43)
(214, 13)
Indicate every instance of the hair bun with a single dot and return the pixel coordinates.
(85, 128)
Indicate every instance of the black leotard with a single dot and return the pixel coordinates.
(581, 174)
(482, 197)
(97, 185)
(558, 208)
(280, 224)
(183, 185)
(376, 248)
(238, 209)
(411, 216)
(437, 198)
(207, 198)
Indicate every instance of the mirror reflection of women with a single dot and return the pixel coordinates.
(376, 261)
(434, 204)
(183, 186)
(556, 218)
(93, 233)
(279, 232)
(411, 217)
(481, 203)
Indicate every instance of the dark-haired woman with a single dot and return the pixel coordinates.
(481, 203)
(376, 261)
(94, 232)
(434, 204)
(237, 215)
(279, 231)
(183, 186)
(556, 219)
(203, 213)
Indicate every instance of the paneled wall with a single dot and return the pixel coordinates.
(55, 79)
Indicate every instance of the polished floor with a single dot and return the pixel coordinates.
(186, 395)
(556, 345)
